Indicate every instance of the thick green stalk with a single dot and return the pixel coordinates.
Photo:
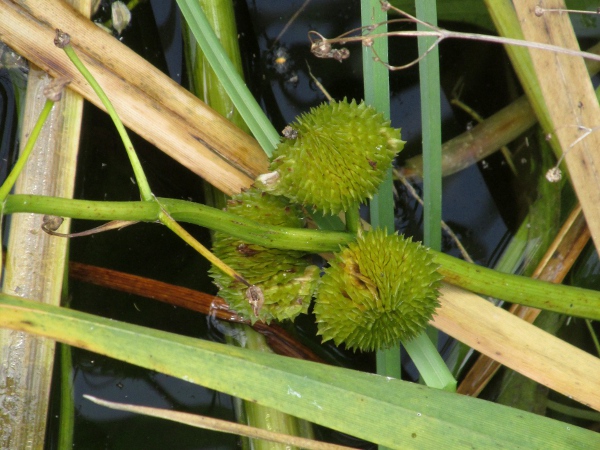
(203, 79)
(432, 368)
(513, 288)
(66, 419)
(261, 416)
(353, 219)
(269, 236)
(67, 395)
(567, 300)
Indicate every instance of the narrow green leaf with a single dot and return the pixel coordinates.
(11, 179)
(429, 74)
(387, 411)
(431, 366)
(377, 93)
(242, 98)
(376, 83)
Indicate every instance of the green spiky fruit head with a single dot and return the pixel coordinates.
(378, 291)
(336, 157)
(285, 278)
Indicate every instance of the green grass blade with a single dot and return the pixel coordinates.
(377, 94)
(432, 368)
(429, 73)
(203, 80)
(11, 179)
(376, 83)
(387, 411)
(376, 86)
(431, 129)
(257, 121)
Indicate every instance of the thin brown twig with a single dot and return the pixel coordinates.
(539, 11)
(49, 226)
(289, 22)
(444, 225)
(554, 174)
(319, 46)
(319, 85)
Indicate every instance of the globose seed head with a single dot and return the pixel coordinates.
(378, 291)
(285, 278)
(337, 158)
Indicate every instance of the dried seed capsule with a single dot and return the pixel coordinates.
(377, 291)
(339, 156)
(285, 278)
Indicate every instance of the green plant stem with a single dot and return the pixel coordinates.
(260, 416)
(433, 370)
(67, 407)
(142, 181)
(138, 171)
(183, 211)
(513, 288)
(203, 79)
(429, 86)
(590, 328)
(172, 225)
(66, 426)
(422, 350)
(563, 299)
(20, 164)
(206, 85)
(353, 219)
(573, 411)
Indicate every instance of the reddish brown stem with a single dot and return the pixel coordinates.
(278, 339)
